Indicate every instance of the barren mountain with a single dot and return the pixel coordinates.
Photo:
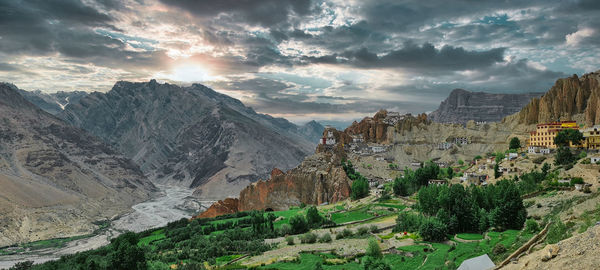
(56, 179)
(568, 97)
(52, 103)
(462, 106)
(191, 136)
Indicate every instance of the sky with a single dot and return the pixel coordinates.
(333, 60)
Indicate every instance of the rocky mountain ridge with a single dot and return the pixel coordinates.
(191, 136)
(567, 98)
(53, 103)
(56, 179)
(462, 105)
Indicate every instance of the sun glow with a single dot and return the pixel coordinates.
(187, 73)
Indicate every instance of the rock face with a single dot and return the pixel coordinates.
(190, 136)
(318, 179)
(55, 179)
(462, 106)
(373, 129)
(222, 207)
(53, 103)
(568, 97)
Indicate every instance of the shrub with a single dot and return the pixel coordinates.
(532, 226)
(576, 180)
(362, 231)
(373, 229)
(347, 233)
(326, 238)
(290, 240)
(285, 229)
(407, 222)
(313, 218)
(433, 230)
(515, 143)
(556, 232)
(373, 250)
(308, 238)
(298, 224)
(499, 249)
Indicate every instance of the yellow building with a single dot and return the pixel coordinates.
(591, 137)
(544, 134)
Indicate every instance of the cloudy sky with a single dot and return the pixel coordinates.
(302, 59)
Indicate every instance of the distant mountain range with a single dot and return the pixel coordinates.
(53, 103)
(462, 106)
(192, 136)
(56, 179)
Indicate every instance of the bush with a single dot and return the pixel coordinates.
(556, 232)
(285, 229)
(362, 231)
(313, 218)
(532, 226)
(499, 249)
(298, 224)
(308, 238)
(515, 143)
(326, 238)
(407, 222)
(344, 234)
(373, 229)
(290, 240)
(373, 250)
(576, 180)
(433, 230)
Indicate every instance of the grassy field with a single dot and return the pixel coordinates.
(154, 236)
(355, 215)
(470, 236)
(308, 261)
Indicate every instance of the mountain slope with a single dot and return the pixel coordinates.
(462, 106)
(52, 103)
(190, 136)
(56, 179)
(567, 98)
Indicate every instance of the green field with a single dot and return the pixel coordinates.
(355, 215)
(470, 236)
(154, 236)
(308, 261)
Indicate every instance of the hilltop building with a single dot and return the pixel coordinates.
(544, 134)
(461, 140)
(329, 138)
(591, 137)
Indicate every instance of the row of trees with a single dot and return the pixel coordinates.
(413, 180)
(473, 209)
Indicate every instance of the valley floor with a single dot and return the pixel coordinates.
(173, 204)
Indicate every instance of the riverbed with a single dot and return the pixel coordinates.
(172, 203)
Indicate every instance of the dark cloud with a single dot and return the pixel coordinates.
(418, 58)
(262, 12)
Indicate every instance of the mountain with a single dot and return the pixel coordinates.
(462, 105)
(191, 136)
(56, 179)
(567, 98)
(312, 130)
(52, 103)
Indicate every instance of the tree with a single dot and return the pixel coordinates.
(568, 135)
(433, 230)
(370, 263)
(359, 189)
(545, 169)
(497, 172)
(299, 224)
(407, 222)
(313, 218)
(26, 265)
(564, 156)
(510, 212)
(532, 226)
(450, 172)
(373, 249)
(515, 143)
(126, 253)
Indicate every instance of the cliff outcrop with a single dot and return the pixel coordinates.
(373, 129)
(318, 179)
(568, 97)
(462, 105)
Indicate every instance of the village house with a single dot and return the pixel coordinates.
(357, 138)
(379, 158)
(444, 146)
(544, 134)
(329, 138)
(538, 150)
(564, 181)
(595, 159)
(591, 138)
(441, 164)
(416, 164)
(512, 156)
(392, 118)
(475, 179)
(377, 149)
(436, 182)
(461, 140)
(373, 182)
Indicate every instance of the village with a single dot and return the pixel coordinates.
(378, 164)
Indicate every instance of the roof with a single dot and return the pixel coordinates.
(482, 262)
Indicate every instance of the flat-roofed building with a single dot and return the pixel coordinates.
(544, 134)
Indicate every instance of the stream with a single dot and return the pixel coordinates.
(172, 204)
